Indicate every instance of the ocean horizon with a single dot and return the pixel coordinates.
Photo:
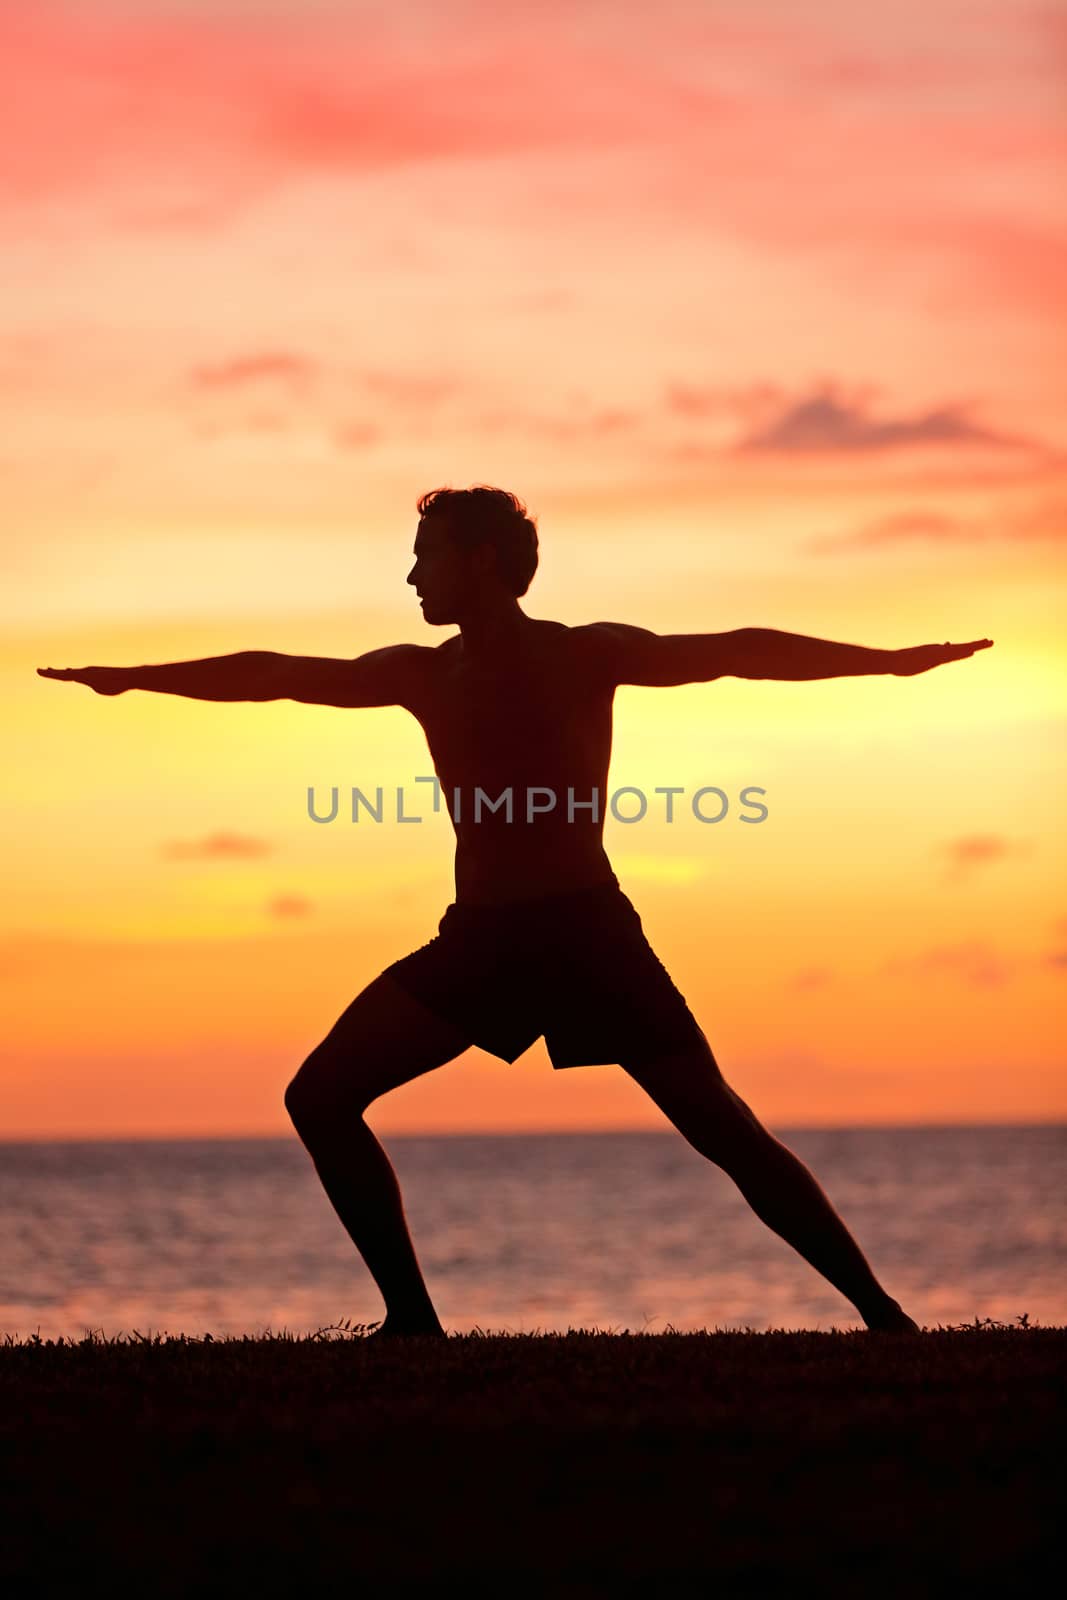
(521, 1232)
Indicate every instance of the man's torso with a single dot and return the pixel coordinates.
(534, 717)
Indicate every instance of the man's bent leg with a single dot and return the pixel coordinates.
(691, 1091)
(384, 1038)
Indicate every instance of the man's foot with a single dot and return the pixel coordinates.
(890, 1318)
(394, 1328)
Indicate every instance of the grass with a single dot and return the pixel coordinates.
(587, 1463)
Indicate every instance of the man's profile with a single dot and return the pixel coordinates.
(540, 938)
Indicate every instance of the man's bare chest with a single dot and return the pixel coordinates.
(531, 712)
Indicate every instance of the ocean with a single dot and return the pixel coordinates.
(524, 1233)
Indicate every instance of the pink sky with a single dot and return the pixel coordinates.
(760, 310)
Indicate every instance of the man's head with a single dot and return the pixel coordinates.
(474, 548)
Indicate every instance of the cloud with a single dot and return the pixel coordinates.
(826, 422)
(224, 387)
(973, 847)
(972, 850)
(902, 527)
(815, 135)
(272, 366)
(812, 978)
(922, 525)
(1057, 958)
(216, 846)
(973, 961)
(747, 402)
(290, 905)
(1043, 520)
(275, 373)
(823, 424)
(409, 395)
(357, 436)
(1003, 259)
(186, 117)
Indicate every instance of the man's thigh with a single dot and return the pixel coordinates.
(383, 1039)
(690, 1090)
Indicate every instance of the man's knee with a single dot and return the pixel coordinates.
(318, 1095)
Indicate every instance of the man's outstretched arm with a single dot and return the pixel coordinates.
(637, 656)
(385, 677)
(769, 653)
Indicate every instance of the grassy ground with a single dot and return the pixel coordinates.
(580, 1464)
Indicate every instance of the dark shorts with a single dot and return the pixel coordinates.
(575, 967)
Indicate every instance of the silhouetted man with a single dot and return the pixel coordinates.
(540, 938)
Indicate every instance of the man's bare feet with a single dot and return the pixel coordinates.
(891, 1318)
(394, 1328)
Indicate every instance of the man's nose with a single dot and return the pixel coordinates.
(411, 576)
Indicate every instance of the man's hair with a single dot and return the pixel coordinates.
(483, 515)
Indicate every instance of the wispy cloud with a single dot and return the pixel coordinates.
(972, 961)
(357, 436)
(827, 421)
(290, 905)
(216, 108)
(971, 850)
(240, 371)
(919, 526)
(901, 527)
(1056, 958)
(812, 978)
(216, 846)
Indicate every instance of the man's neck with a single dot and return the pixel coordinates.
(490, 632)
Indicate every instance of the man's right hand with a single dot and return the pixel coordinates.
(105, 680)
(921, 657)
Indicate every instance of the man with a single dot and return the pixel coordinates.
(540, 937)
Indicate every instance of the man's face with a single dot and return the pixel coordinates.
(444, 576)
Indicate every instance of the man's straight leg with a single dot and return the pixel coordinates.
(689, 1088)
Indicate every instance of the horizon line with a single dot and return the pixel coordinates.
(505, 1133)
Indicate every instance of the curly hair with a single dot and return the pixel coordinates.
(483, 515)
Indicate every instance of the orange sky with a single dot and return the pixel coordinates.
(759, 309)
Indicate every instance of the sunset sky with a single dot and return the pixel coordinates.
(759, 308)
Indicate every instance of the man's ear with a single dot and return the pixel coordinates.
(483, 559)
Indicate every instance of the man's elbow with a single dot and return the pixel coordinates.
(740, 654)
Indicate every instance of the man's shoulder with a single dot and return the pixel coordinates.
(449, 650)
(580, 643)
(544, 627)
(602, 640)
(584, 633)
(583, 643)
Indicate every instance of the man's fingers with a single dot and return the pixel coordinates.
(920, 658)
(66, 674)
